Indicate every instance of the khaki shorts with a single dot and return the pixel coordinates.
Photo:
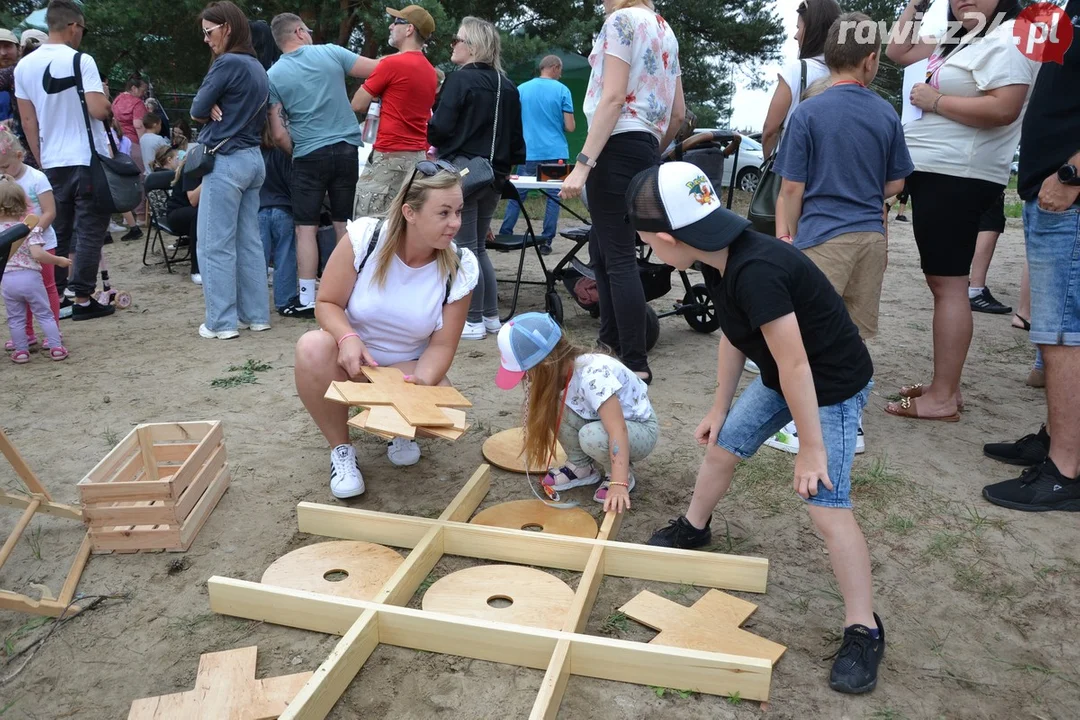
(383, 177)
(855, 265)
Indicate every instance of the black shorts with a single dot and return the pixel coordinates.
(993, 220)
(332, 169)
(946, 218)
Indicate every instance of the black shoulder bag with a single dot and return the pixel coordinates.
(478, 172)
(762, 211)
(114, 181)
(199, 160)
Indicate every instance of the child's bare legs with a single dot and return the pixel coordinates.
(713, 480)
(850, 559)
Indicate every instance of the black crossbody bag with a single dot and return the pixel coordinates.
(199, 160)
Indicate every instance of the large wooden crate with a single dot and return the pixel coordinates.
(156, 488)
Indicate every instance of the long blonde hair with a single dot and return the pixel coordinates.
(483, 39)
(417, 195)
(544, 385)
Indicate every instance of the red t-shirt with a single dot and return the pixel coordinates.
(406, 84)
(127, 109)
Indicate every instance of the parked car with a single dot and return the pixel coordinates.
(1015, 167)
(751, 158)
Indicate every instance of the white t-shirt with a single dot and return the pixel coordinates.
(596, 378)
(940, 145)
(61, 126)
(792, 75)
(396, 321)
(644, 41)
(34, 184)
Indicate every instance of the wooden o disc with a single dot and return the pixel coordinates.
(504, 450)
(366, 567)
(535, 515)
(536, 598)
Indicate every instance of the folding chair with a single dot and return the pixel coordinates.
(157, 185)
(521, 243)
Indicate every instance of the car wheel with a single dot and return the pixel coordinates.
(748, 179)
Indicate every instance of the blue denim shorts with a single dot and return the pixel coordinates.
(1053, 255)
(759, 413)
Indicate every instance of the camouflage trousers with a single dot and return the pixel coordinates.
(383, 177)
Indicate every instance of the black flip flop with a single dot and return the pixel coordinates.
(1021, 318)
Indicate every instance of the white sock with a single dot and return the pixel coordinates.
(307, 292)
(974, 292)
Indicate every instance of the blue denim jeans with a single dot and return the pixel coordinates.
(1053, 255)
(759, 413)
(230, 248)
(279, 245)
(551, 212)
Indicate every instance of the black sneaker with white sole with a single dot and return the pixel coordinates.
(1038, 489)
(855, 669)
(679, 533)
(984, 302)
(295, 309)
(91, 310)
(1027, 451)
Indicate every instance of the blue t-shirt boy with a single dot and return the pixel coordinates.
(543, 102)
(845, 145)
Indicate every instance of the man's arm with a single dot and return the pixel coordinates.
(361, 100)
(363, 67)
(30, 126)
(569, 124)
(278, 131)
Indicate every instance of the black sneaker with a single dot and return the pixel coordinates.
(545, 246)
(65, 308)
(855, 669)
(296, 310)
(1038, 489)
(902, 218)
(681, 534)
(133, 233)
(108, 239)
(1027, 451)
(984, 302)
(90, 311)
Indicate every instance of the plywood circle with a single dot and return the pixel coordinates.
(535, 515)
(503, 593)
(345, 568)
(504, 450)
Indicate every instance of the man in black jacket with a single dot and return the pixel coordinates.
(1049, 184)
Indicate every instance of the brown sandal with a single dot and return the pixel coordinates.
(916, 391)
(907, 409)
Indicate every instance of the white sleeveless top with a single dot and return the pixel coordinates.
(396, 321)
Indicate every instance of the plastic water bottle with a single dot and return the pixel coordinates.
(371, 122)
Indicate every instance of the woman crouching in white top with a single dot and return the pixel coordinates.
(399, 301)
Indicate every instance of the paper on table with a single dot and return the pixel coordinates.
(913, 74)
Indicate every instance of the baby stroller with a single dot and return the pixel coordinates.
(707, 150)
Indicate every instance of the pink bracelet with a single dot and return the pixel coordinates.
(346, 337)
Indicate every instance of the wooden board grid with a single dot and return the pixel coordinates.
(419, 405)
(365, 624)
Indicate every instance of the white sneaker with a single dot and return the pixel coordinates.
(114, 228)
(219, 335)
(253, 327)
(403, 452)
(474, 331)
(345, 478)
(196, 278)
(69, 293)
(492, 324)
(860, 442)
(786, 440)
(751, 367)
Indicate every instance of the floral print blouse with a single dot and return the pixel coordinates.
(644, 41)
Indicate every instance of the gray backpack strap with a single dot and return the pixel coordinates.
(371, 245)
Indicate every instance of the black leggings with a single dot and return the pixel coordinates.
(946, 219)
(612, 245)
(184, 221)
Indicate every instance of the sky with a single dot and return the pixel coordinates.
(750, 106)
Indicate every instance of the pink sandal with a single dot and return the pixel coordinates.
(9, 346)
(58, 353)
(20, 357)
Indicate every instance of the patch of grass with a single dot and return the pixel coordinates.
(615, 624)
(734, 698)
(765, 480)
(1012, 210)
(7, 707)
(242, 374)
(899, 524)
(920, 327)
(21, 631)
(188, 624)
(661, 691)
(110, 437)
(428, 582)
(33, 539)
(943, 544)
(679, 593)
(887, 714)
(980, 522)
(895, 397)
(876, 477)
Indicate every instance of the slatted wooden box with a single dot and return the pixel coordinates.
(156, 488)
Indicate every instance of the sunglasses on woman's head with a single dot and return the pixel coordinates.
(430, 168)
(802, 8)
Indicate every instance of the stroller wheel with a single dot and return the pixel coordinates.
(553, 306)
(699, 311)
(123, 300)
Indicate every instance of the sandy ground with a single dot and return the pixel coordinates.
(979, 602)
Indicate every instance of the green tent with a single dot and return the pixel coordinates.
(575, 76)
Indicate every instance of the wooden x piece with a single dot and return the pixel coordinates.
(418, 404)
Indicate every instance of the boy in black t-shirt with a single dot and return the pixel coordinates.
(778, 309)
